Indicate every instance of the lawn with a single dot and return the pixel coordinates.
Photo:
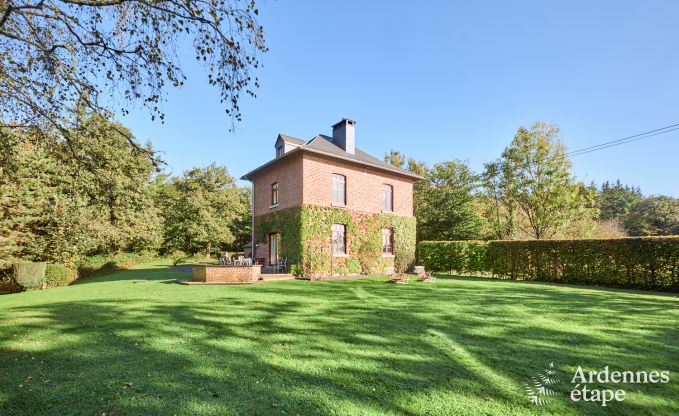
(134, 342)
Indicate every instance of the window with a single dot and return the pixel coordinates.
(387, 241)
(387, 198)
(339, 190)
(279, 150)
(274, 193)
(274, 240)
(339, 239)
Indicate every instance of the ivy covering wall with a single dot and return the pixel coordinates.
(306, 233)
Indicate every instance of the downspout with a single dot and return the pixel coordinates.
(252, 232)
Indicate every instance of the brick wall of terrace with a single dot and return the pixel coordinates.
(226, 274)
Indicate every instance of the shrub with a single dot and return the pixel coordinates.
(354, 266)
(177, 257)
(104, 264)
(642, 262)
(453, 256)
(28, 275)
(296, 270)
(59, 274)
(91, 265)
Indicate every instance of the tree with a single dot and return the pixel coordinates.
(59, 53)
(531, 189)
(41, 211)
(22, 191)
(417, 167)
(655, 215)
(52, 208)
(395, 158)
(445, 203)
(615, 200)
(199, 209)
(242, 224)
(500, 210)
(116, 181)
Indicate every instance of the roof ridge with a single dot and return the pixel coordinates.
(328, 148)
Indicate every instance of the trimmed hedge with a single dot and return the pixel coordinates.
(642, 262)
(28, 275)
(59, 275)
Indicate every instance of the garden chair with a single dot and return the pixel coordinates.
(281, 265)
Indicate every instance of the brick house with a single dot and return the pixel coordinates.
(329, 208)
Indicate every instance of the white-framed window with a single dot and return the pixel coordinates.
(387, 197)
(387, 241)
(339, 239)
(339, 189)
(280, 150)
(274, 193)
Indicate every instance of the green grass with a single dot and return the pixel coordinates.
(133, 342)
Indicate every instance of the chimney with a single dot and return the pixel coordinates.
(344, 135)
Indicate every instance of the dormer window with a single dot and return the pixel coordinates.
(280, 150)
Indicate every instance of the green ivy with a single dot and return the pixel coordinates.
(306, 240)
(287, 222)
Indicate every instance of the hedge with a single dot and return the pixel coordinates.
(31, 275)
(641, 262)
(104, 264)
(28, 275)
(59, 274)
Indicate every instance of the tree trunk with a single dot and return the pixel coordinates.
(207, 252)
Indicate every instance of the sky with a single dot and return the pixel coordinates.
(443, 80)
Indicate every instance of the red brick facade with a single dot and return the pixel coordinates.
(305, 178)
(289, 175)
(363, 185)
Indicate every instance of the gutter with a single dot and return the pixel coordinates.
(411, 175)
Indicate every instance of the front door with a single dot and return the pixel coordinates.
(274, 242)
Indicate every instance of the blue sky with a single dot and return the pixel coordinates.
(447, 80)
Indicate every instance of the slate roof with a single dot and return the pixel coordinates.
(323, 145)
(289, 139)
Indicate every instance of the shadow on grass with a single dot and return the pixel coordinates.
(556, 284)
(459, 346)
(160, 272)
